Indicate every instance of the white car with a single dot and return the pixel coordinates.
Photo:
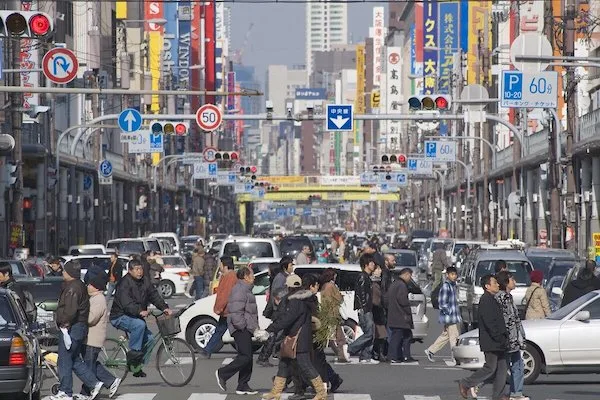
(565, 342)
(174, 278)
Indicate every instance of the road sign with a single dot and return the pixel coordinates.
(209, 117)
(200, 171)
(368, 178)
(87, 182)
(530, 44)
(226, 178)
(340, 117)
(209, 154)
(156, 143)
(212, 169)
(60, 65)
(420, 166)
(130, 120)
(440, 151)
(105, 169)
(140, 143)
(529, 90)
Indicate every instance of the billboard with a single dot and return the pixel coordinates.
(154, 10)
(430, 40)
(480, 14)
(393, 94)
(378, 43)
(449, 41)
(311, 94)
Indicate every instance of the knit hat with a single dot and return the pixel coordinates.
(73, 268)
(536, 276)
(99, 281)
(293, 281)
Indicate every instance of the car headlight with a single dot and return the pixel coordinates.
(469, 341)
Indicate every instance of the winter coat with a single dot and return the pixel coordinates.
(378, 310)
(399, 311)
(226, 284)
(577, 288)
(279, 283)
(539, 306)
(298, 314)
(363, 293)
(210, 265)
(449, 310)
(302, 259)
(97, 320)
(115, 271)
(439, 260)
(197, 265)
(94, 270)
(516, 334)
(493, 335)
(329, 313)
(73, 304)
(242, 309)
(132, 296)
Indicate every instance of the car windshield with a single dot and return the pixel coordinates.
(405, 259)
(441, 244)
(153, 245)
(259, 267)
(569, 308)
(128, 247)
(248, 250)
(416, 246)
(519, 269)
(174, 261)
(169, 239)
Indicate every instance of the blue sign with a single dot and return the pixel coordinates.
(306, 212)
(212, 169)
(340, 117)
(232, 178)
(431, 149)
(529, 90)
(281, 212)
(412, 164)
(87, 182)
(248, 187)
(130, 120)
(105, 169)
(261, 193)
(311, 94)
(291, 211)
(401, 179)
(156, 143)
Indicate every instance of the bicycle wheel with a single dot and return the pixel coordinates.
(175, 362)
(114, 358)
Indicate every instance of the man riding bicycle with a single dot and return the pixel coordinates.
(132, 296)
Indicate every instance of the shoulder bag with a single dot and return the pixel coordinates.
(523, 311)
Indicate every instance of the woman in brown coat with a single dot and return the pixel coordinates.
(536, 300)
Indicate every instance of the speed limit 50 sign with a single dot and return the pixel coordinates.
(209, 117)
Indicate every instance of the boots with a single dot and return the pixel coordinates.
(320, 390)
(383, 351)
(278, 387)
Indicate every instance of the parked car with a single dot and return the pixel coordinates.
(20, 352)
(542, 257)
(244, 249)
(564, 342)
(189, 242)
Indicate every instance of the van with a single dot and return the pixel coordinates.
(171, 237)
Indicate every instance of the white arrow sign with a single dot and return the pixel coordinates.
(130, 119)
(339, 121)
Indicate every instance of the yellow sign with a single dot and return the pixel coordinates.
(121, 9)
(480, 18)
(283, 179)
(596, 237)
(375, 99)
(155, 43)
(359, 106)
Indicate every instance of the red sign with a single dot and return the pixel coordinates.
(209, 117)
(394, 58)
(60, 65)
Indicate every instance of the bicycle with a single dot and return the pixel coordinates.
(176, 353)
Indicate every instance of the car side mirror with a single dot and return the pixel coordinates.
(582, 316)
(557, 291)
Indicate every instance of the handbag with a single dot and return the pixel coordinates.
(523, 311)
(290, 345)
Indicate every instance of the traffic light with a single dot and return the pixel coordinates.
(382, 168)
(11, 170)
(29, 24)
(394, 159)
(170, 128)
(439, 102)
(227, 156)
(272, 188)
(314, 197)
(249, 171)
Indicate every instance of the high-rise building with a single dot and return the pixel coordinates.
(326, 26)
(281, 85)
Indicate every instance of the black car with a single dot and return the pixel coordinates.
(292, 245)
(20, 353)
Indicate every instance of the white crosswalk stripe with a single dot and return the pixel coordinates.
(420, 397)
(136, 396)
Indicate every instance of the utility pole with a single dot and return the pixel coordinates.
(99, 214)
(16, 103)
(485, 231)
(569, 51)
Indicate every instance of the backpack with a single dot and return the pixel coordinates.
(435, 296)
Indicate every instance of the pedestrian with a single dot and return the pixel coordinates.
(115, 273)
(55, 267)
(331, 301)
(400, 319)
(303, 257)
(363, 302)
(71, 318)
(242, 322)
(197, 271)
(276, 304)
(380, 343)
(516, 334)
(286, 267)
(226, 283)
(584, 284)
(296, 323)
(449, 315)
(210, 266)
(493, 342)
(439, 262)
(97, 323)
(96, 267)
(536, 301)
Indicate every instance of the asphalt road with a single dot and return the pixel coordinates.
(421, 381)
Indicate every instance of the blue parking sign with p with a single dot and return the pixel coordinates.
(412, 164)
(156, 143)
(212, 169)
(430, 149)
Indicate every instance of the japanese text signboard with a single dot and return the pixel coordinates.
(430, 44)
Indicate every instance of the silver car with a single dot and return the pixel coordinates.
(565, 342)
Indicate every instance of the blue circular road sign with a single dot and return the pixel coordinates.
(105, 169)
(130, 120)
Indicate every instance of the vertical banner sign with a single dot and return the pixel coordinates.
(29, 61)
(220, 50)
(393, 94)
(210, 48)
(378, 43)
(449, 29)
(359, 102)
(230, 101)
(154, 10)
(184, 18)
(480, 13)
(431, 39)
(464, 25)
(196, 142)
(170, 43)
(413, 57)
(419, 25)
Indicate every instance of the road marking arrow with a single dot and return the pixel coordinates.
(339, 121)
(130, 119)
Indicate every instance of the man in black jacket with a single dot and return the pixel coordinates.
(399, 318)
(363, 302)
(133, 294)
(72, 319)
(493, 341)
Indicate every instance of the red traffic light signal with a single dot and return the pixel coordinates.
(31, 24)
(439, 102)
(227, 156)
(248, 170)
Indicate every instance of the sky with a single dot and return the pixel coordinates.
(278, 36)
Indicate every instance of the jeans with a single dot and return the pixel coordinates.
(139, 334)
(400, 344)
(110, 289)
(70, 361)
(517, 373)
(90, 357)
(199, 286)
(495, 367)
(242, 363)
(364, 344)
(215, 339)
